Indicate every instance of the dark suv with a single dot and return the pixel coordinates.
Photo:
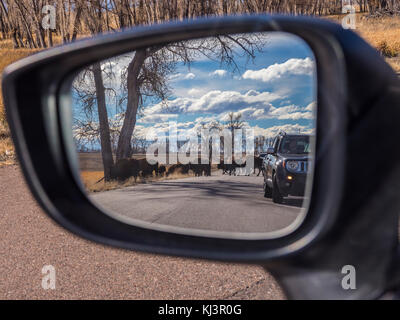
(285, 167)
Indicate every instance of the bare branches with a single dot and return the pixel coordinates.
(20, 20)
(140, 78)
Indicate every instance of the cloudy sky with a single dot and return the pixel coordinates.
(275, 91)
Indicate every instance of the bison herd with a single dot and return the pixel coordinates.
(127, 168)
(233, 168)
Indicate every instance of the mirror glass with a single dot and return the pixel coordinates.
(207, 136)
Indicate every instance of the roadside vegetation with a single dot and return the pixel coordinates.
(92, 174)
(7, 56)
(382, 32)
(93, 180)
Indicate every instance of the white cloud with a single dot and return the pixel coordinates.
(200, 120)
(277, 71)
(288, 128)
(179, 76)
(290, 112)
(311, 107)
(154, 118)
(216, 101)
(195, 92)
(175, 76)
(253, 105)
(247, 114)
(219, 73)
(190, 76)
(193, 127)
(297, 116)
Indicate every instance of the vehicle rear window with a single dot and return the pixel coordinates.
(295, 145)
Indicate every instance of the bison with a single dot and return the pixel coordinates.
(257, 164)
(234, 167)
(227, 168)
(146, 169)
(200, 169)
(258, 161)
(125, 169)
(161, 170)
(178, 168)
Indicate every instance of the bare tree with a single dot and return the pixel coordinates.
(147, 76)
(233, 123)
(105, 139)
(150, 78)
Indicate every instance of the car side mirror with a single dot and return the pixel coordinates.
(349, 212)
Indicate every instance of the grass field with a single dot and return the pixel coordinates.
(8, 56)
(381, 33)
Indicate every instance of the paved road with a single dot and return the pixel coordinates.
(219, 202)
(85, 270)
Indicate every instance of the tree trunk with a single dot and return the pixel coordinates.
(76, 22)
(106, 151)
(40, 37)
(124, 142)
(15, 40)
(50, 37)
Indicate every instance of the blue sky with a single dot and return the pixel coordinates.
(273, 92)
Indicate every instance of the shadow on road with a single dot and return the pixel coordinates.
(207, 189)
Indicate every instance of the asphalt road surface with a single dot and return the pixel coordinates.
(29, 240)
(219, 203)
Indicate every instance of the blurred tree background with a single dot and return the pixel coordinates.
(21, 20)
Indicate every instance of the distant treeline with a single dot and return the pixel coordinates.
(21, 20)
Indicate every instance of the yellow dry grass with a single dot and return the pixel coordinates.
(382, 33)
(92, 183)
(6, 151)
(8, 56)
(92, 180)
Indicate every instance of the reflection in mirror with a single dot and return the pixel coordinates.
(207, 135)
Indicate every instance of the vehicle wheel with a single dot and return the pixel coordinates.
(276, 195)
(267, 191)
